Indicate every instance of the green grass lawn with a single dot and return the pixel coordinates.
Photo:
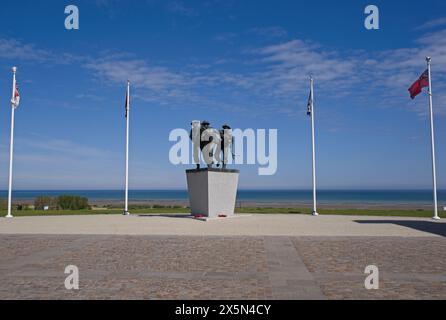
(140, 210)
(349, 212)
(25, 213)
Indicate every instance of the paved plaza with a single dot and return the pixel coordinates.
(257, 257)
(250, 225)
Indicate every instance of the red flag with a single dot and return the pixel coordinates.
(418, 85)
(16, 100)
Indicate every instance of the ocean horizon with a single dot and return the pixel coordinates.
(423, 196)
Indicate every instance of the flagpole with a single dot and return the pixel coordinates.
(11, 143)
(434, 175)
(313, 145)
(126, 206)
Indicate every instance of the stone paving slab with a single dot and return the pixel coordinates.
(153, 267)
(289, 276)
(409, 268)
(216, 267)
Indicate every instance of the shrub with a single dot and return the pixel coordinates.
(43, 201)
(3, 204)
(67, 202)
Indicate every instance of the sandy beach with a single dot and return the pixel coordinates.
(257, 204)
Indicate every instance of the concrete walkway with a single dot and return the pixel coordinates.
(255, 225)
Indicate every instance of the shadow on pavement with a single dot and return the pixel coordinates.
(433, 227)
(181, 216)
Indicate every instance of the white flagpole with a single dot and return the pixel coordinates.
(434, 175)
(126, 207)
(11, 144)
(313, 146)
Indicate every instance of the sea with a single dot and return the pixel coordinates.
(385, 197)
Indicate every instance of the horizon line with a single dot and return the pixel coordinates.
(240, 189)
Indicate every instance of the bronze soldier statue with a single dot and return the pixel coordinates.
(206, 137)
(226, 144)
(212, 143)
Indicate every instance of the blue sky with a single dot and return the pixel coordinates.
(241, 62)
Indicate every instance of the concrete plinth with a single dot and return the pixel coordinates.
(212, 192)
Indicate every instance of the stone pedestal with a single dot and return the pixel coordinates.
(212, 192)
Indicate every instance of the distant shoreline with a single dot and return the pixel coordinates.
(328, 199)
(254, 204)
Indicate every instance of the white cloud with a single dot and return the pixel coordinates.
(297, 59)
(13, 49)
(139, 72)
(42, 162)
(278, 74)
(268, 32)
(432, 24)
(225, 37)
(62, 147)
(180, 8)
(267, 76)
